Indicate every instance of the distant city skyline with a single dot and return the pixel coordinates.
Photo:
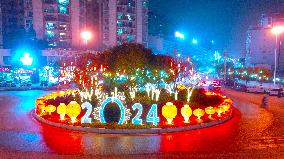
(223, 21)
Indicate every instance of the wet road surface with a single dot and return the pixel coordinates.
(254, 132)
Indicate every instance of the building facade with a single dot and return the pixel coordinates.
(16, 20)
(1, 34)
(124, 21)
(261, 44)
(59, 22)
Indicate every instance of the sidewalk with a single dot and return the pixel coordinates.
(29, 88)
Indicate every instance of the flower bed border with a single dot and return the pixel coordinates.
(134, 131)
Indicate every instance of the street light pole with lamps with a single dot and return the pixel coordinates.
(86, 36)
(277, 30)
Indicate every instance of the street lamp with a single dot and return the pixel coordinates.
(86, 36)
(277, 30)
(179, 35)
(194, 41)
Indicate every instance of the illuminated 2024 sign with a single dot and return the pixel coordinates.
(151, 117)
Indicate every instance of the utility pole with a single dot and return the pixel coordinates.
(225, 66)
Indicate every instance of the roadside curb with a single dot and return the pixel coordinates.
(133, 131)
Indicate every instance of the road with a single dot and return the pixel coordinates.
(254, 132)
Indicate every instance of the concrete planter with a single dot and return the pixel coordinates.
(133, 131)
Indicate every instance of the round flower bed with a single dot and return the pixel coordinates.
(82, 110)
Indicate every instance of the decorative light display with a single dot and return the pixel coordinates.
(73, 110)
(169, 111)
(119, 103)
(198, 113)
(152, 116)
(186, 112)
(219, 110)
(86, 118)
(136, 119)
(50, 109)
(61, 110)
(210, 111)
(26, 59)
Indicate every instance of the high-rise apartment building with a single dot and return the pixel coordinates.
(59, 22)
(124, 21)
(1, 35)
(16, 20)
(261, 43)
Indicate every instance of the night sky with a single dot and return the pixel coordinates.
(224, 21)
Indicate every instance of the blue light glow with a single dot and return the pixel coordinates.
(179, 35)
(194, 41)
(26, 59)
(136, 120)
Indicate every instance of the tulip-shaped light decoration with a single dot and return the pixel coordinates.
(198, 113)
(210, 111)
(73, 110)
(169, 111)
(226, 107)
(228, 100)
(41, 107)
(186, 112)
(61, 110)
(50, 109)
(219, 110)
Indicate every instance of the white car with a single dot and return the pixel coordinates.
(255, 89)
(276, 92)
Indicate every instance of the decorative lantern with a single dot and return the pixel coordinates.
(198, 113)
(50, 109)
(210, 111)
(61, 110)
(41, 107)
(226, 107)
(219, 110)
(61, 93)
(228, 100)
(73, 110)
(169, 111)
(186, 112)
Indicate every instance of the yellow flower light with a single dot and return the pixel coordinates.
(169, 111)
(228, 100)
(73, 110)
(61, 93)
(226, 107)
(210, 111)
(41, 107)
(61, 110)
(50, 109)
(186, 112)
(219, 110)
(198, 113)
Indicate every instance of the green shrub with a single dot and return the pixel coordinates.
(112, 113)
(182, 95)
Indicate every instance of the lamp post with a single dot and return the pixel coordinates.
(86, 36)
(277, 30)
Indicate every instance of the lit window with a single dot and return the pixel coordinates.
(50, 26)
(50, 34)
(119, 31)
(63, 2)
(62, 9)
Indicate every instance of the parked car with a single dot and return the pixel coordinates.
(10, 84)
(26, 84)
(44, 83)
(276, 92)
(255, 89)
(240, 87)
